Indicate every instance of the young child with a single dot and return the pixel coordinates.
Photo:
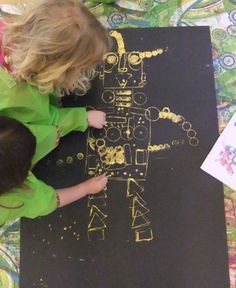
(54, 46)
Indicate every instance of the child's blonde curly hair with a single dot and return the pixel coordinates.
(56, 44)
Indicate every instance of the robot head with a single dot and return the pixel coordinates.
(125, 69)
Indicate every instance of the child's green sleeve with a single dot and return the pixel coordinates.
(34, 199)
(46, 137)
(69, 119)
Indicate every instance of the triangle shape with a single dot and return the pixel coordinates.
(133, 187)
(97, 202)
(138, 206)
(96, 223)
(94, 209)
(139, 199)
(140, 221)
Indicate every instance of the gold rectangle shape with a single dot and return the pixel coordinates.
(140, 157)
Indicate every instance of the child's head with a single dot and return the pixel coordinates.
(17, 148)
(56, 44)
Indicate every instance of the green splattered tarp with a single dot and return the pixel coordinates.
(221, 17)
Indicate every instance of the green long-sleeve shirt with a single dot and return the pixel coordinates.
(25, 103)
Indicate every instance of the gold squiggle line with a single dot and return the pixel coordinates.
(120, 41)
(166, 114)
(149, 54)
(154, 148)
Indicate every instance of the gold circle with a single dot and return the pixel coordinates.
(119, 149)
(134, 59)
(105, 166)
(103, 158)
(186, 126)
(111, 59)
(69, 159)
(193, 132)
(80, 156)
(141, 100)
(100, 142)
(166, 109)
(102, 150)
(59, 162)
(151, 117)
(108, 96)
(193, 141)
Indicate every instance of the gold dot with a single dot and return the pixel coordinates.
(69, 159)
(80, 156)
(59, 162)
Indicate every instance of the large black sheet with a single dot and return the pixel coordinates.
(181, 210)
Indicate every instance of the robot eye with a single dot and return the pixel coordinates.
(110, 61)
(134, 59)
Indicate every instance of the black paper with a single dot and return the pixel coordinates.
(182, 208)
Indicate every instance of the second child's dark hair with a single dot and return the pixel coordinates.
(17, 148)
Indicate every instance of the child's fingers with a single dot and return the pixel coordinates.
(102, 175)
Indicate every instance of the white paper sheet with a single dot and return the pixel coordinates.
(221, 161)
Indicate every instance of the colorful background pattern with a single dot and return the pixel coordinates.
(221, 17)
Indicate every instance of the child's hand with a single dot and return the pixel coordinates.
(96, 119)
(95, 184)
(91, 186)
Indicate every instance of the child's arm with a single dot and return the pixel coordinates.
(74, 193)
(76, 119)
(36, 198)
